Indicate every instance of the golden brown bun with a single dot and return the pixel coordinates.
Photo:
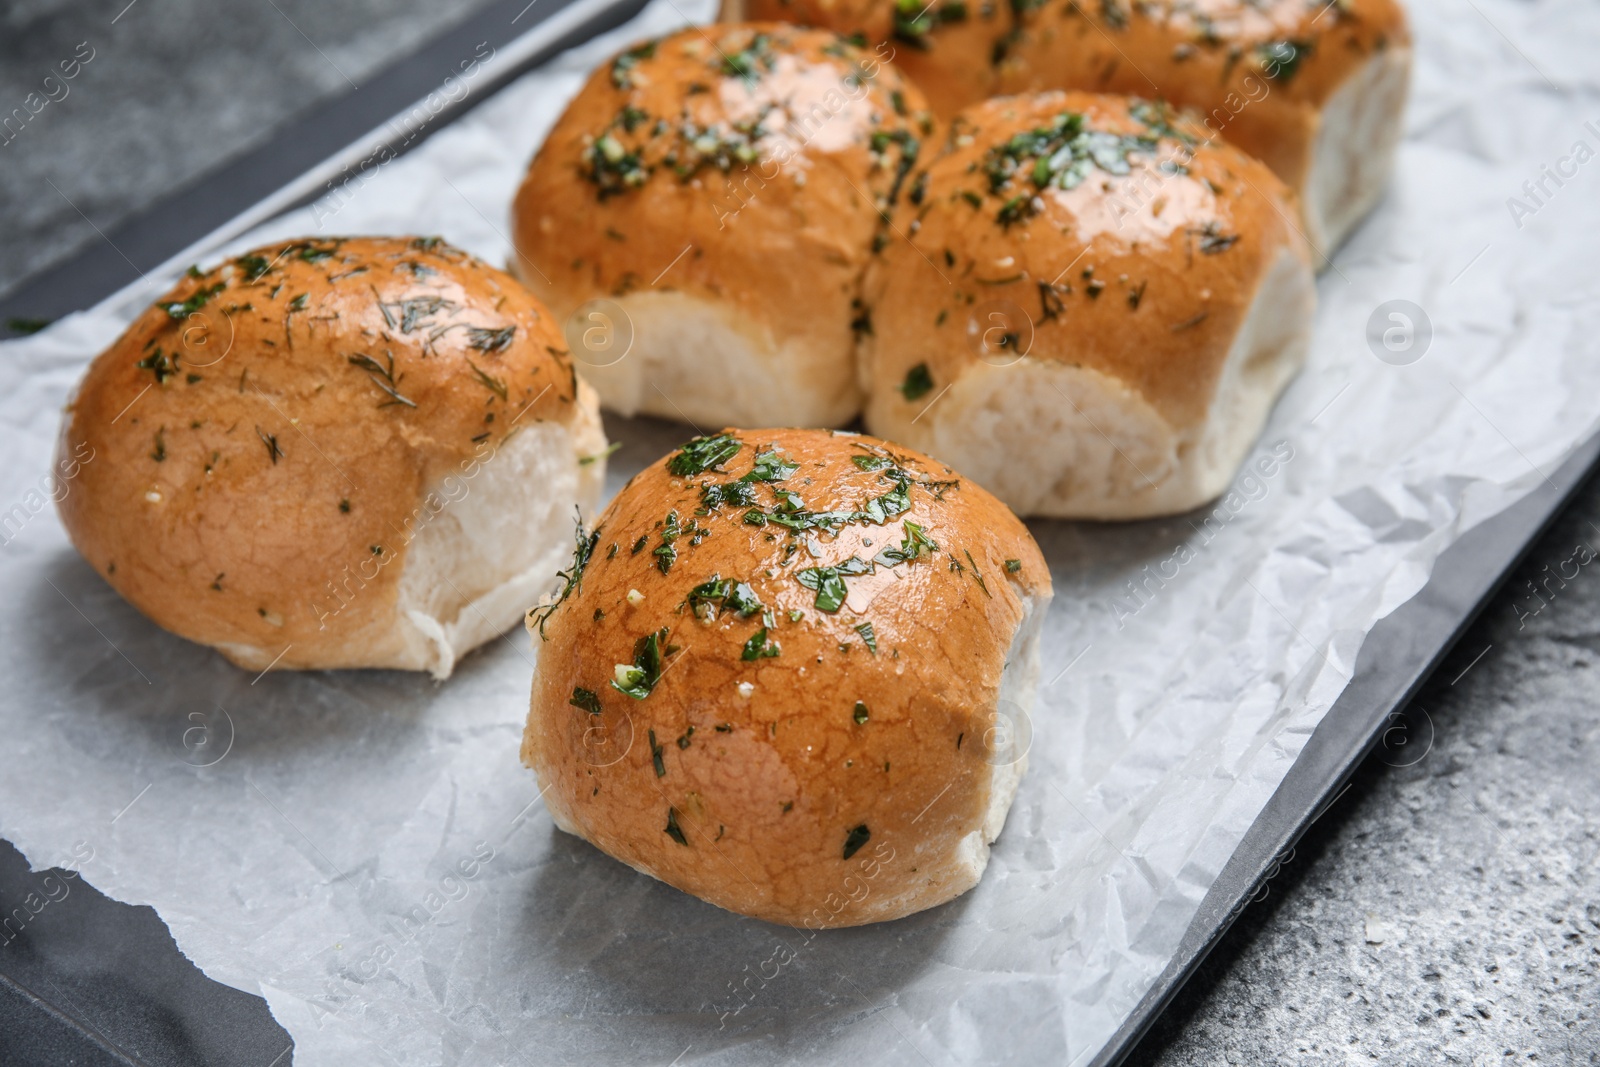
(1314, 90)
(354, 452)
(1104, 351)
(947, 48)
(830, 782)
(735, 265)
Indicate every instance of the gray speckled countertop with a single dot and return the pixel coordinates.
(1445, 911)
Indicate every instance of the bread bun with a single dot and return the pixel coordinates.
(946, 47)
(701, 215)
(790, 675)
(1316, 91)
(1087, 343)
(360, 452)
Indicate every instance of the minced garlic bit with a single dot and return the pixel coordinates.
(635, 597)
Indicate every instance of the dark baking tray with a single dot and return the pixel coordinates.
(129, 978)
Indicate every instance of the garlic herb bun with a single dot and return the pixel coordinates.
(354, 452)
(785, 667)
(1095, 309)
(1314, 90)
(715, 195)
(947, 47)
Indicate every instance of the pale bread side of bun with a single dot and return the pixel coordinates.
(1152, 317)
(719, 192)
(809, 754)
(330, 453)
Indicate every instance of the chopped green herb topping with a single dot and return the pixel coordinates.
(740, 494)
(586, 700)
(383, 377)
(655, 756)
(622, 66)
(914, 20)
(703, 453)
(981, 583)
(758, 647)
(407, 315)
(613, 168)
(918, 383)
(572, 577)
(674, 831)
(915, 545)
(726, 593)
(1061, 156)
(869, 636)
(640, 677)
(182, 309)
(860, 714)
(162, 365)
(253, 267)
(1280, 60)
(770, 467)
(855, 839)
(1213, 241)
(872, 463)
(1013, 566)
(488, 381)
(750, 62)
(488, 340)
(828, 582)
(666, 553)
(271, 441)
(1159, 116)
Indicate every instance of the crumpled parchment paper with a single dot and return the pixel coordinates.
(365, 851)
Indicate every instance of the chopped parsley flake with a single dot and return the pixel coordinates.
(640, 677)
(740, 494)
(586, 700)
(1061, 155)
(253, 267)
(828, 582)
(855, 839)
(918, 383)
(674, 831)
(729, 594)
(915, 545)
(703, 453)
(182, 309)
(622, 66)
(869, 636)
(162, 365)
(1280, 60)
(750, 62)
(655, 756)
(860, 714)
(758, 647)
(770, 467)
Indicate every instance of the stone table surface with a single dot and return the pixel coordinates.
(1446, 909)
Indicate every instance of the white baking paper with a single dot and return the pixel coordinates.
(365, 851)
